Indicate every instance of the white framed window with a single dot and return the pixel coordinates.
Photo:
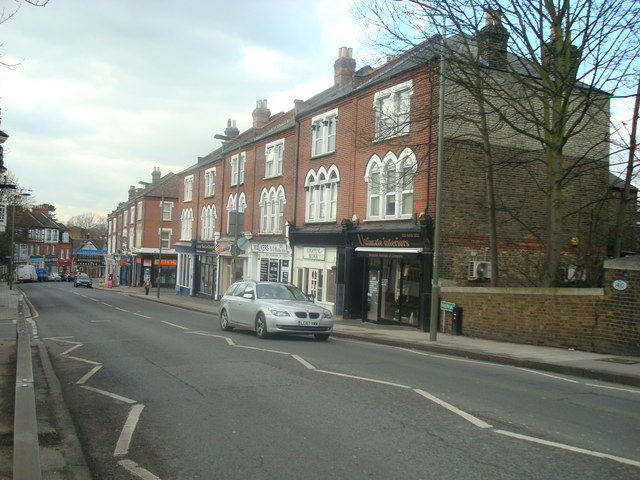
(237, 168)
(321, 190)
(166, 210)
(132, 214)
(139, 235)
(390, 186)
(272, 210)
(208, 221)
(392, 108)
(188, 188)
(274, 154)
(323, 129)
(186, 224)
(140, 210)
(165, 238)
(125, 216)
(210, 182)
(236, 216)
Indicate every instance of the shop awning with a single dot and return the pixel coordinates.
(390, 251)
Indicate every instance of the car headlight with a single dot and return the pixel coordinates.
(326, 314)
(278, 313)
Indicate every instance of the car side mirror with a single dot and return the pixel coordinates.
(248, 295)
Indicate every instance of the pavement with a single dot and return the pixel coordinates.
(61, 454)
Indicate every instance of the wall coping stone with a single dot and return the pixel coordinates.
(526, 291)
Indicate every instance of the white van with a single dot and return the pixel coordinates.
(26, 273)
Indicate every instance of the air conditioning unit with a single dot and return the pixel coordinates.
(479, 270)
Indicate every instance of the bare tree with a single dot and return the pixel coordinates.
(547, 85)
(89, 221)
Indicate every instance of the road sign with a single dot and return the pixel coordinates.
(447, 306)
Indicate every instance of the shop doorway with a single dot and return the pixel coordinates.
(393, 290)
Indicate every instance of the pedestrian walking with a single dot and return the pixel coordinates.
(147, 286)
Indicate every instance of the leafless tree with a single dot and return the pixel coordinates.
(550, 86)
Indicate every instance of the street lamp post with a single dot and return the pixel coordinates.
(236, 235)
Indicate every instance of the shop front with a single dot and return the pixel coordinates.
(207, 261)
(270, 261)
(397, 274)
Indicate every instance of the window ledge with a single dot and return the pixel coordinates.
(321, 155)
(391, 137)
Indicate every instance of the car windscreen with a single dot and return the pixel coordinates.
(280, 292)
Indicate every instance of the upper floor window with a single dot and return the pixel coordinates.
(272, 210)
(392, 107)
(186, 224)
(323, 128)
(165, 238)
(274, 153)
(237, 168)
(132, 214)
(321, 189)
(235, 213)
(126, 216)
(390, 186)
(188, 188)
(140, 210)
(167, 209)
(208, 218)
(209, 182)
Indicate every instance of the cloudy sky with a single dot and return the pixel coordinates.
(106, 90)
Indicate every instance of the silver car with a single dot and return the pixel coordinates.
(268, 307)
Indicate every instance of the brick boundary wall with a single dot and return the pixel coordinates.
(604, 320)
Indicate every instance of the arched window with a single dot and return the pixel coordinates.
(322, 194)
(272, 210)
(390, 186)
(208, 221)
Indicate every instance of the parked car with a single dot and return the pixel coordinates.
(268, 307)
(82, 280)
(54, 277)
(71, 276)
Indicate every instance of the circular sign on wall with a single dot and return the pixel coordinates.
(619, 284)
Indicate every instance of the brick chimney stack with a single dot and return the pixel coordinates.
(261, 114)
(132, 191)
(155, 175)
(344, 67)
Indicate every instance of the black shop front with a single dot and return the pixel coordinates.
(394, 267)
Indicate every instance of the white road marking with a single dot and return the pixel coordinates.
(122, 310)
(304, 362)
(140, 315)
(548, 375)
(108, 394)
(106, 304)
(90, 362)
(562, 446)
(263, 350)
(136, 470)
(620, 389)
(88, 375)
(373, 380)
(174, 325)
(470, 418)
(122, 447)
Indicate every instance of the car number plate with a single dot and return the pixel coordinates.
(307, 323)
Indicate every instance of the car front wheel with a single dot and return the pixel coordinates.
(261, 326)
(224, 321)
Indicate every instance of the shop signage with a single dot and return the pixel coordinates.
(388, 240)
(269, 248)
(165, 261)
(313, 253)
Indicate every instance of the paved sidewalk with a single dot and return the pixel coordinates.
(610, 368)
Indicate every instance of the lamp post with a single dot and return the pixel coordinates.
(236, 234)
(16, 197)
